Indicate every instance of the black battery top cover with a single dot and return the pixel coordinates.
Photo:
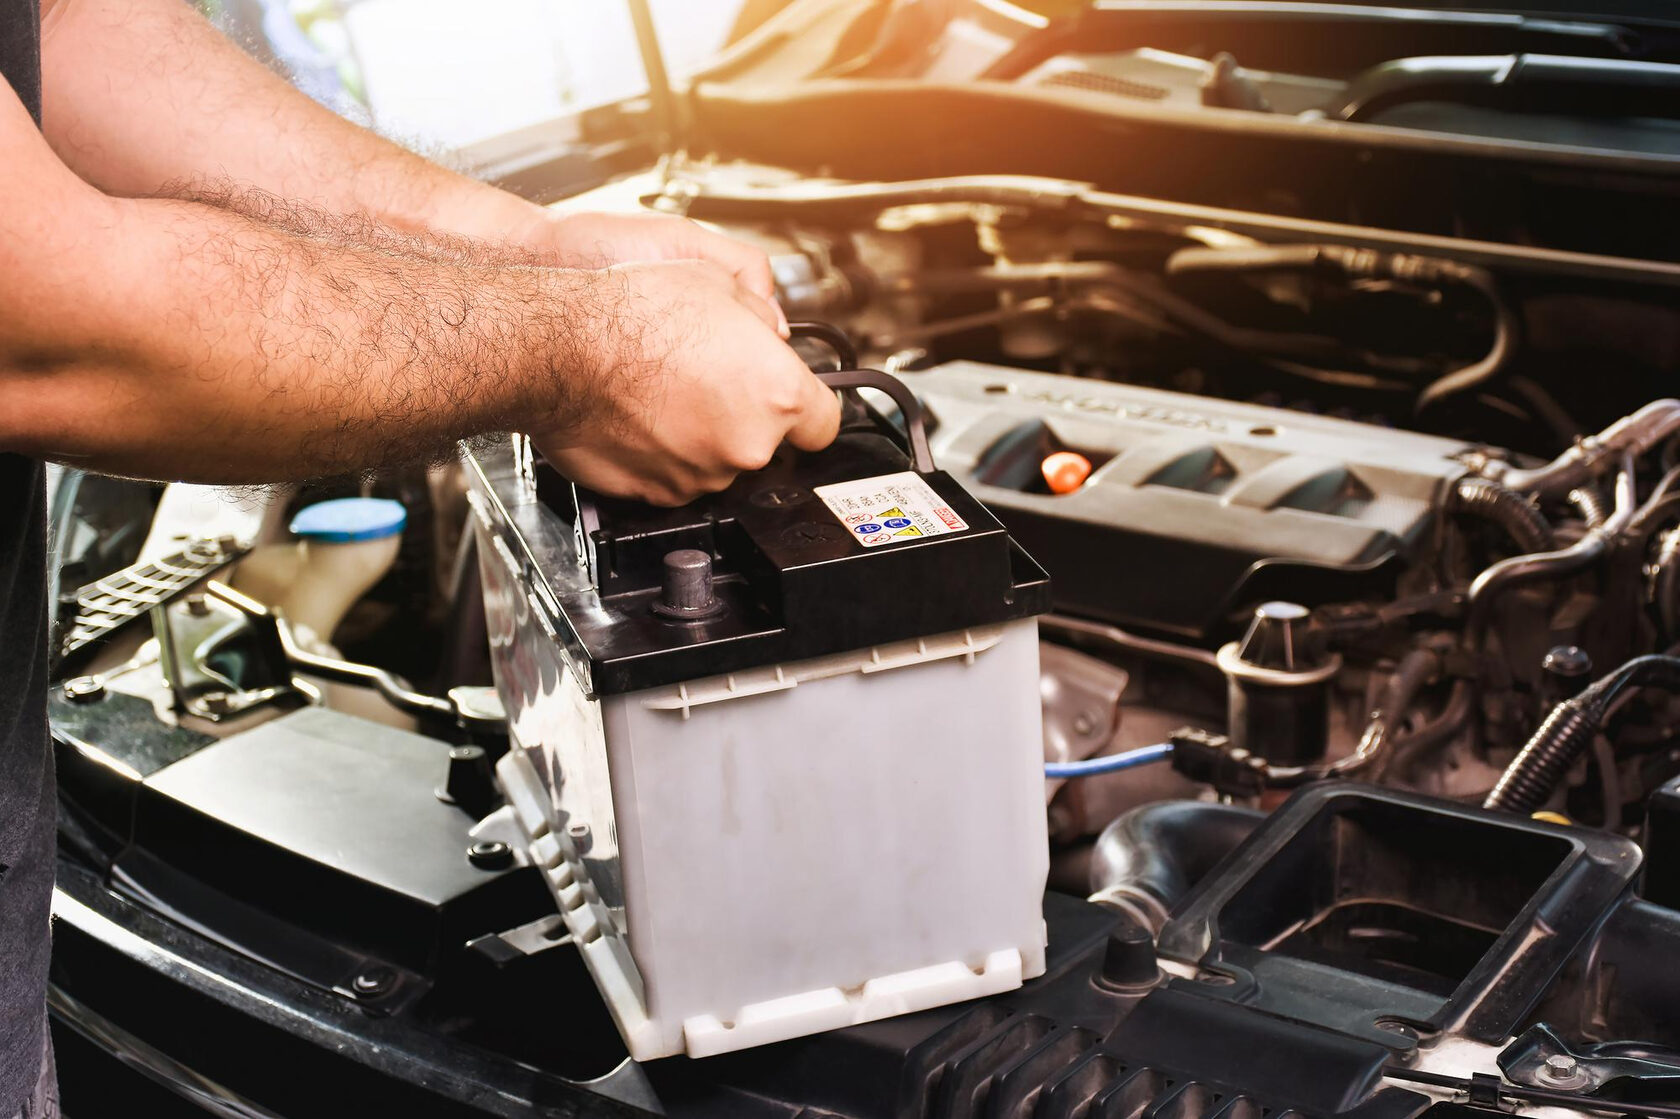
(817, 553)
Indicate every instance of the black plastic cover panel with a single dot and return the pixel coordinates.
(329, 822)
(1352, 906)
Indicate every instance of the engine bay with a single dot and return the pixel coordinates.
(1365, 486)
(1374, 540)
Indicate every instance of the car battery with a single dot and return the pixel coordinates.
(778, 752)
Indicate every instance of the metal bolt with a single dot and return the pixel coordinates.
(492, 854)
(580, 837)
(1566, 672)
(1398, 1028)
(373, 981)
(1567, 660)
(197, 605)
(1561, 1066)
(84, 689)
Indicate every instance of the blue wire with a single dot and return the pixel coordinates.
(1111, 763)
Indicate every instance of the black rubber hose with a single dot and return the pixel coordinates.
(1371, 264)
(1510, 510)
(1665, 585)
(1406, 749)
(1148, 859)
(1565, 734)
(1516, 83)
(1653, 670)
(1588, 550)
(1415, 670)
(1534, 773)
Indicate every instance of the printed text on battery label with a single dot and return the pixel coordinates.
(890, 509)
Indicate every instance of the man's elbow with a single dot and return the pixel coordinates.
(28, 402)
(56, 402)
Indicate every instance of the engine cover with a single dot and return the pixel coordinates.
(1195, 506)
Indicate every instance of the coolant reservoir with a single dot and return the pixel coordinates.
(342, 549)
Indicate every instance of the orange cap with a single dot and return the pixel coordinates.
(1065, 471)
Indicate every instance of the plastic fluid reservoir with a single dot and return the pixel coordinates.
(343, 548)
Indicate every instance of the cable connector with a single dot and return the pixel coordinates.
(1210, 759)
(1485, 1090)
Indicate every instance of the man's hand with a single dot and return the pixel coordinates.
(594, 240)
(694, 386)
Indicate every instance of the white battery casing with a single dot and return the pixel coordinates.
(790, 849)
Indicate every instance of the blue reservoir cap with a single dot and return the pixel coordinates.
(350, 519)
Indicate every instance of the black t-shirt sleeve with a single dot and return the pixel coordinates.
(20, 51)
(27, 797)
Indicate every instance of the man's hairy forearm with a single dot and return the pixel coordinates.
(356, 228)
(298, 343)
(127, 113)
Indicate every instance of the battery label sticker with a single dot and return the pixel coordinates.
(890, 509)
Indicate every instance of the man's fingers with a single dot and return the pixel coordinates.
(750, 264)
(747, 265)
(592, 471)
(819, 417)
(666, 487)
(767, 312)
(752, 271)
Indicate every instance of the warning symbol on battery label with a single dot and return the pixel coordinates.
(891, 509)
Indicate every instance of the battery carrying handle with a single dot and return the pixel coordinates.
(915, 429)
(849, 378)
